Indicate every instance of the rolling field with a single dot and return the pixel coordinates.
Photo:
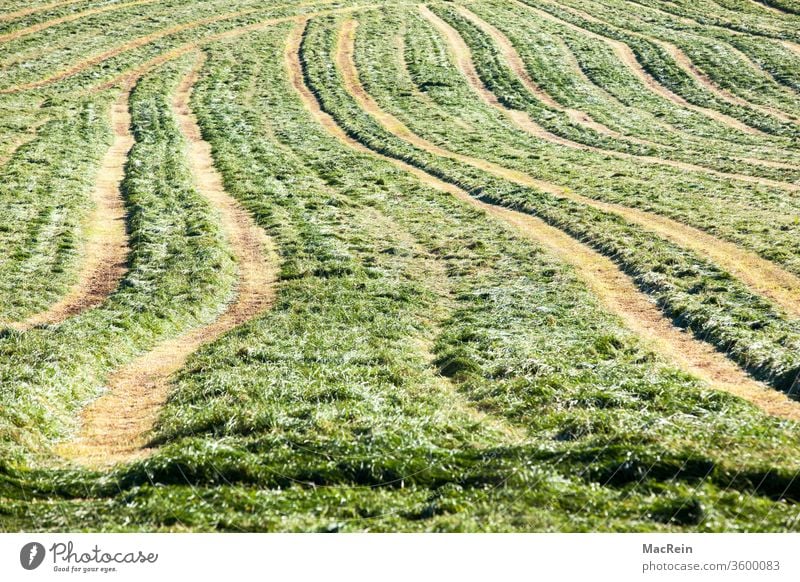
(359, 265)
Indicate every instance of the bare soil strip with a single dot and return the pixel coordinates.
(614, 289)
(463, 57)
(64, 19)
(760, 275)
(628, 58)
(143, 40)
(116, 426)
(33, 10)
(792, 46)
(105, 252)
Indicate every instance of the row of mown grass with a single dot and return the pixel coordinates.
(603, 69)
(709, 13)
(327, 413)
(434, 100)
(99, 67)
(660, 65)
(583, 72)
(692, 291)
(759, 69)
(180, 274)
(501, 80)
(44, 197)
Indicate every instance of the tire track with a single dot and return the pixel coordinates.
(64, 19)
(758, 274)
(463, 58)
(614, 289)
(143, 40)
(626, 55)
(105, 251)
(115, 427)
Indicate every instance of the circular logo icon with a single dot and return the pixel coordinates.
(31, 555)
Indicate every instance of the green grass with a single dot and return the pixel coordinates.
(179, 275)
(424, 368)
(690, 290)
(45, 193)
(401, 314)
(761, 219)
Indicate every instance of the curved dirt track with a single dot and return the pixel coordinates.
(463, 57)
(115, 427)
(64, 19)
(614, 289)
(105, 252)
(761, 276)
(628, 58)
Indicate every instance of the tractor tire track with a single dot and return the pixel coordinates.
(612, 287)
(463, 58)
(105, 252)
(116, 426)
(758, 274)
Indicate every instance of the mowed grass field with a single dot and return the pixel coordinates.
(366, 265)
